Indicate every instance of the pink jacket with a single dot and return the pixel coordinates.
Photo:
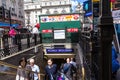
(12, 32)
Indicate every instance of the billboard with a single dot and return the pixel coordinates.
(59, 18)
(87, 6)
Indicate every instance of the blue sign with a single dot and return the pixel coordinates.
(4, 24)
(15, 25)
(59, 50)
(88, 14)
(87, 7)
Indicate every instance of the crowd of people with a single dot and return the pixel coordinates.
(67, 70)
(27, 71)
(13, 31)
(31, 71)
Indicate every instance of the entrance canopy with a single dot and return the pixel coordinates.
(60, 55)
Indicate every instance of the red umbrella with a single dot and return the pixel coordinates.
(37, 25)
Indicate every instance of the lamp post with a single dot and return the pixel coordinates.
(106, 37)
(10, 16)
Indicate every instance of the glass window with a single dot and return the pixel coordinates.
(47, 12)
(63, 11)
(65, 2)
(27, 6)
(45, 4)
(56, 12)
(36, 12)
(50, 3)
(36, 16)
(36, 21)
(60, 2)
(35, 6)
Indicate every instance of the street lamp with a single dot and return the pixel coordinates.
(106, 37)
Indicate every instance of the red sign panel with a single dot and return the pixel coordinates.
(47, 31)
(72, 30)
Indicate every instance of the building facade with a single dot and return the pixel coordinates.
(12, 13)
(34, 8)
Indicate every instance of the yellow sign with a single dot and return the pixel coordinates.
(95, 0)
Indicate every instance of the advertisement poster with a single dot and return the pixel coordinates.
(60, 18)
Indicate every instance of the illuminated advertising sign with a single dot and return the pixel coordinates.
(47, 31)
(59, 18)
(59, 34)
(87, 6)
(59, 50)
(72, 30)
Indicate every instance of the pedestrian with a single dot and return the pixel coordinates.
(74, 70)
(67, 69)
(12, 34)
(22, 73)
(28, 70)
(35, 69)
(51, 70)
(35, 30)
(115, 62)
(73, 62)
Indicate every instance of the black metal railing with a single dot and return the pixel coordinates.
(85, 43)
(22, 41)
(89, 42)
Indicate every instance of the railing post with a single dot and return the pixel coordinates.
(19, 42)
(40, 37)
(28, 40)
(15, 40)
(106, 37)
(35, 39)
(5, 45)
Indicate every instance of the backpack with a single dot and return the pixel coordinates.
(66, 67)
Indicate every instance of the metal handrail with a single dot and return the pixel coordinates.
(15, 67)
(21, 51)
(81, 61)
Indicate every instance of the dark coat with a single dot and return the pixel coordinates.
(51, 71)
(68, 69)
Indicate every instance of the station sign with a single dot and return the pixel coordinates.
(59, 50)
